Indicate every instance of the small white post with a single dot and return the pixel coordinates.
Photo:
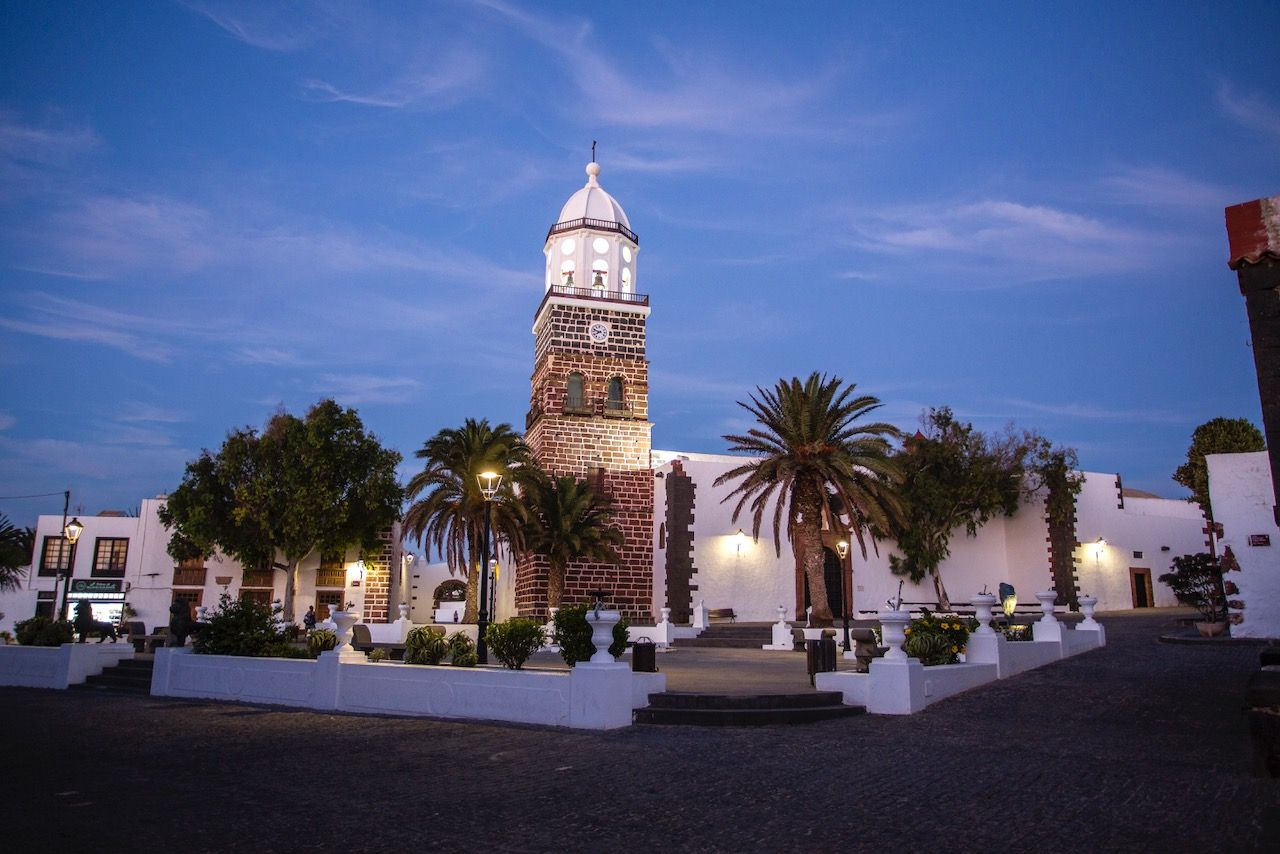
(700, 615)
(783, 641)
(663, 629)
(1089, 624)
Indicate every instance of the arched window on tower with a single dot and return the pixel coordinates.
(575, 397)
(614, 402)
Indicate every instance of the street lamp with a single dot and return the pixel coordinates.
(842, 549)
(72, 532)
(489, 482)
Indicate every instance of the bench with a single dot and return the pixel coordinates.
(143, 642)
(362, 640)
(722, 614)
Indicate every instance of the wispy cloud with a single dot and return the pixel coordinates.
(47, 144)
(273, 356)
(355, 389)
(1248, 109)
(1091, 412)
(269, 26)
(132, 411)
(7, 421)
(1156, 186)
(75, 320)
(1012, 240)
(457, 74)
(698, 93)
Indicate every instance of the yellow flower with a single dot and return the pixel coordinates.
(906, 631)
(955, 649)
(945, 626)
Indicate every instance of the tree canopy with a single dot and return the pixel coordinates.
(1215, 436)
(303, 485)
(955, 476)
(815, 461)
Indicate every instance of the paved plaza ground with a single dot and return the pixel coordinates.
(1140, 746)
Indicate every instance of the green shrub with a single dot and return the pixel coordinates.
(377, 654)
(460, 644)
(284, 649)
(467, 658)
(1196, 581)
(43, 631)
(425, 645)
(573, 635)
(241, 627)
(514, 641)
(951, 631)
(321, 640)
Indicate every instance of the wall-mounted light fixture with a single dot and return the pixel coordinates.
(740, 540)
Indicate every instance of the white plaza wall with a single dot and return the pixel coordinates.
(58, 666)
(1241, 492)
(1158, 528)
(754, 579)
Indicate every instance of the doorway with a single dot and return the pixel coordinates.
(1140, 586)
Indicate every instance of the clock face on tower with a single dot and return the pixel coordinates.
(598, 332)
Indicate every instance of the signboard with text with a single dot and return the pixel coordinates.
(1259, 539)
(97, 586)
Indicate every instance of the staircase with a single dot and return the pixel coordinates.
(131, 675)
(731, 636)
(753, 710)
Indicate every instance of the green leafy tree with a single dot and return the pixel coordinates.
(1216, 436)
(16, 545)
(958, 477)
(448, 513)
(1197, 581)
(815, 462)
(565, 520)
(318, 484)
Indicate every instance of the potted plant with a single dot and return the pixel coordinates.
(1196, 580)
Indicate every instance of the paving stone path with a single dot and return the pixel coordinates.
(1137, 747)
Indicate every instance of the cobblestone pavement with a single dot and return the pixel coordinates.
(1140, 746)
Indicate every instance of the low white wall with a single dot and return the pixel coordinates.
(58, 666)
(587, 697)
(906, 687)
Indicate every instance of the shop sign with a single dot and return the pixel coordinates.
(96, 586)
(1259, 539)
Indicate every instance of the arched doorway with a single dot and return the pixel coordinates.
(831, 575)
(452, 590)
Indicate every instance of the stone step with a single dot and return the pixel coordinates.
(129, 676)
(690, 700)
(758, 710)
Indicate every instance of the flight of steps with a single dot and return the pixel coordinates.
(132, 676)
(754, 710)
(731, 636)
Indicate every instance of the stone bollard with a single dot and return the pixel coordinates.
(1047, 601)
(404, 611)
(893, 626)
(602, 623)
(663, 629)
(982, 604)
(782, 640)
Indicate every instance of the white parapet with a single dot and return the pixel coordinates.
(58, 666)
(591, 696)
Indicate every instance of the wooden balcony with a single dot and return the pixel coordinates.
(330, 577)
(189, 576)
(257, 578)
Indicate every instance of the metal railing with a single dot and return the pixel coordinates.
(597, 224)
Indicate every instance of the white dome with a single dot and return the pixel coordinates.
(592, 202)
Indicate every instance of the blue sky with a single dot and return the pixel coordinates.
(209, 210)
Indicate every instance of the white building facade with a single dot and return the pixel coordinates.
(1243, 501)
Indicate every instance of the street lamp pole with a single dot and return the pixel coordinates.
(489, 483)
(842, 549)
(72, 532)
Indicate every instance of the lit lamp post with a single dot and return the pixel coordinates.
(72, 532)
(842, 549)
(489, 483)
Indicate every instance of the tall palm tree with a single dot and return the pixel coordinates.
(15, 553)
(450, 514)
(566, 520)
(815, 463)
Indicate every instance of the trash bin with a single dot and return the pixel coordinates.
(821, 655)
(644, 656)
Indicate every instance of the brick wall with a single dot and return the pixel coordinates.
(681, 498)
(377, 581)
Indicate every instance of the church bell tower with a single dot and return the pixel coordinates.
(589, 407)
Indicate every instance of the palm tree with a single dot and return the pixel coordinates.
(816, 465)
(450, 516)
(15, 553)
(566, 520)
